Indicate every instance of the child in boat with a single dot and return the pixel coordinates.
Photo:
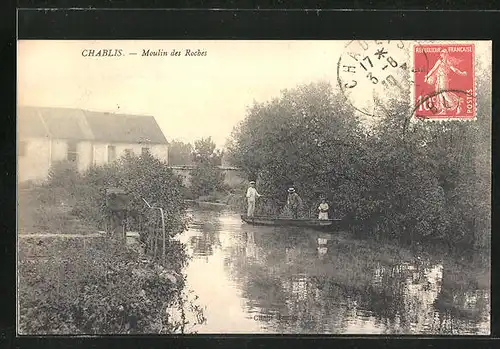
(323, 209)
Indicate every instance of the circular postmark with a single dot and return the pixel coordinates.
(374, 74)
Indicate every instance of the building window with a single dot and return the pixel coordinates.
(72, 152)
(22, 148)
(145, 151)
(111, 153)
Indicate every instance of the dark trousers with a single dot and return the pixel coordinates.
(295, 212)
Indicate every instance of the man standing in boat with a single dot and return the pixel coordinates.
(323, 209)
(252, 196)
(293, 202)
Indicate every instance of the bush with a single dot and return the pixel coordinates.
(90, 204)
(144, 177)
(63, 174)
(102, 289)
(187, 193)
(206, 177)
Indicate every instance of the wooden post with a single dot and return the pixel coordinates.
(117, 225)
(117, 202)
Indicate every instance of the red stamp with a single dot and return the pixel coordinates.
(444, 82)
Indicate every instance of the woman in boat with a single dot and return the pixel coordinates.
(293, 202)
(323, 209)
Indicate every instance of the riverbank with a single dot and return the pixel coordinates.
(207, 204)
(230, 200)
(84, 282)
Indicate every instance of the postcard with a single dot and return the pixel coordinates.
(254, 187)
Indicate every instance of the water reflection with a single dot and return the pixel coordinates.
(268, 280)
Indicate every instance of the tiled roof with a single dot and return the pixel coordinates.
(77, 124)
(124, 128)
(31, 124)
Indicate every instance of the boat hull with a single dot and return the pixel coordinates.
(327, 224)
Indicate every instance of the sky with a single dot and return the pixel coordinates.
(190, 96)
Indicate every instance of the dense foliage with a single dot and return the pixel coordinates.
(103, 287)
(63, 174)
(206, 177)
(142, 177)
(180, 153)
(306, 138)
(388, 176)
(98, 289)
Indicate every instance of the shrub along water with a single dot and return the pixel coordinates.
(104, 288)
(206, 177)
(98, 289)
(409, 180)
(142, 177)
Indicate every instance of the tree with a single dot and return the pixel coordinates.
(142, 177)
(180, 153)
(206, 177)
(408, 179)
(307, 137)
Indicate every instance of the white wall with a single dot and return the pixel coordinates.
(121, 149)
(100, 154)
(101, 151)
(41, 153)
(160, 151)
(59, 150)
(83, 148)
(35, 164)
(85, 155)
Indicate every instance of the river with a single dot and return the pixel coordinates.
(254, 279)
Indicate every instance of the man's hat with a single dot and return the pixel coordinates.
(291, 190)
(252, 182)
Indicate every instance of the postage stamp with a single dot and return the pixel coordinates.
(431, 81)
(444, 81)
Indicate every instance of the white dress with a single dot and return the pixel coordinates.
(323, 211)
(445, 99)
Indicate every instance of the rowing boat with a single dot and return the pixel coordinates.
(299, 222)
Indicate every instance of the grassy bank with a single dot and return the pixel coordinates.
(69, 284)
(87, 285)
(43, 210)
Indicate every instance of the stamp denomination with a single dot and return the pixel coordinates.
(444, 82)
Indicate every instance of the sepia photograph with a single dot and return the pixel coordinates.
(323, 187)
